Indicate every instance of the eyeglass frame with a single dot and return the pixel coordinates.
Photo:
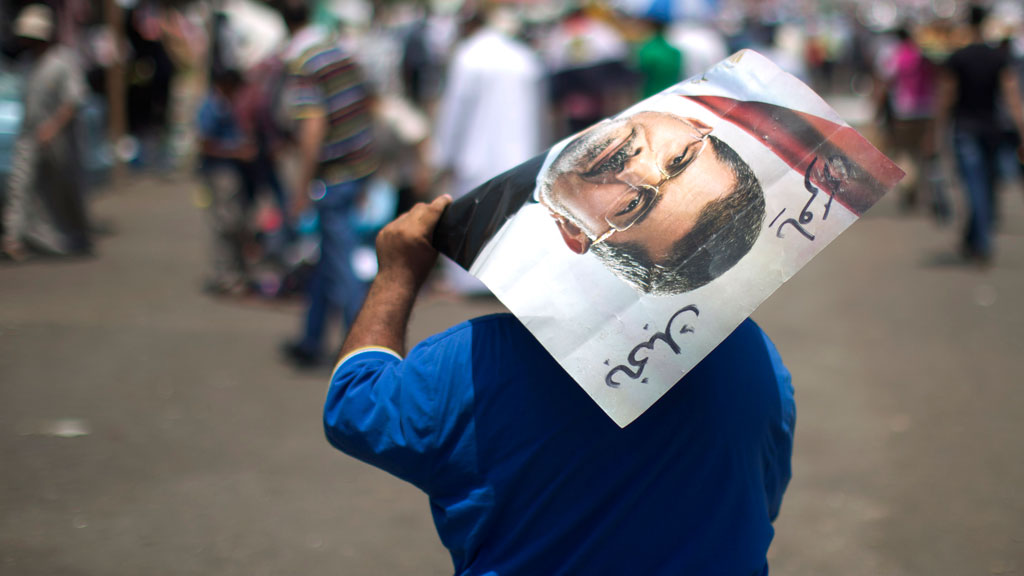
(656, 188)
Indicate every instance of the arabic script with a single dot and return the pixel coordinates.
(806, 216)
(640, 354)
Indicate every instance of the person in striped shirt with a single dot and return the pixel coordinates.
(328, 101)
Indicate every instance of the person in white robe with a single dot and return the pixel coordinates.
(490, 117)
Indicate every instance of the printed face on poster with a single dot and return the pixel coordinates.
(632, 249)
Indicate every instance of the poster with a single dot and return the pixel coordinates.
(631, 249)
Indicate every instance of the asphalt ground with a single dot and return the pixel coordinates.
(146, 428)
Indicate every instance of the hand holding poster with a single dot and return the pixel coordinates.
(632, 249)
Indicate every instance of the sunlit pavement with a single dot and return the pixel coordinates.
(148, 429)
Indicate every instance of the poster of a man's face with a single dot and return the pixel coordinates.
(658, 198)
(631, 249)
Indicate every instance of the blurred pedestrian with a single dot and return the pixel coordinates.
(45, 206)
(660, 63)
(1009, 163)
(258, 110)
(490, 115)
(226, 155)
(525, 474)
(975, 77)
(150, 74)
(420, 65)
(330, 102)
(587, 59)
(910, 89)
(401, 126)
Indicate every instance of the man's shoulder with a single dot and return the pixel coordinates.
(491, 325)
(956, 57)
(506, 329)
(61, 52)
(313, 49)
(971, 54)
(748, 338)
(317, 57)
(57, 60)
(495, 338)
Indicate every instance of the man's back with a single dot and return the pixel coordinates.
(526, 475)
(977, 69)
(491, 111)
(55, 78)
(323, 80)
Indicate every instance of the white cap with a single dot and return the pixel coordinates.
(35, 21)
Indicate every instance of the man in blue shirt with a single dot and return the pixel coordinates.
(526, 474)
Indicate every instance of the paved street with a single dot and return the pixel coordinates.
(148, 429)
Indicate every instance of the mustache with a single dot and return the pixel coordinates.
(586, 148)
(610, 162)
(592, 148)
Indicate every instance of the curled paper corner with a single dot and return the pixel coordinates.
(736, 57)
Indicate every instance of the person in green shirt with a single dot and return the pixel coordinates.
(660, 62)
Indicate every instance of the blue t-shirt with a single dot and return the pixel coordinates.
(526, 474)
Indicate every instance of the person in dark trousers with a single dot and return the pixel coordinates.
(45, 204)
(975, 77)
(226, 154)
(330, 101)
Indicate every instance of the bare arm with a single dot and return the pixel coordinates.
(1011, 95)
(405, 257)
(311, 133)
(52, 126)
(946, 99)
(245, 152)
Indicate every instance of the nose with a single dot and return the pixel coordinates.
(641, 169)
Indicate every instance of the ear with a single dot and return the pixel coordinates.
(702, 128)
(574, 238)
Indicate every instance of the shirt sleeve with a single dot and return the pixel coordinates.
(73, 86)
(303, 96)
(401, 414)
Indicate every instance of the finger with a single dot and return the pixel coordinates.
(440, 203)
(417, 212)
(431, 213)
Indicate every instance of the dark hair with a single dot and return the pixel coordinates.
(228, 79)
(471, 24)
(724, 232)
(976, 17)
(295, 13)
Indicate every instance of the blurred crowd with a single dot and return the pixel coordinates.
(310, 125)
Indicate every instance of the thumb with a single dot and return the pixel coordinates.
(440, 203)
(433, 210)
